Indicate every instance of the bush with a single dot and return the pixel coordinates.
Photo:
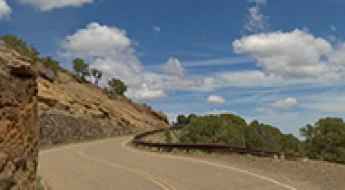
(51, 63)
(168, 137)
(116, 87)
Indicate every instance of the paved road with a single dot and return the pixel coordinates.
(111, 165)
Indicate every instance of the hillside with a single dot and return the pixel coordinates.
(71, 110)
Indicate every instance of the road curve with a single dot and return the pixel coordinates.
(111, 165)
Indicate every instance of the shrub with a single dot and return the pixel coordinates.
(51, 63)
(168, 137)
(116, 87)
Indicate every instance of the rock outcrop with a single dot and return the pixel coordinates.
(19, 132)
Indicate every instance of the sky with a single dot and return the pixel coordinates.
(280, 62)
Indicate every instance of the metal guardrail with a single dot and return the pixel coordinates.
(139, 141)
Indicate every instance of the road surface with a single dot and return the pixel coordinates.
(112, 165)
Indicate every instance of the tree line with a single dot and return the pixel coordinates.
(325, 140)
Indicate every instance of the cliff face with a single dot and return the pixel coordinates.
(19, 132)
(74, 111)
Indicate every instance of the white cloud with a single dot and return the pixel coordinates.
(145, 93)
(256, 21)
(285, 104)
(289, 54)
(110, 50)
(330, 101)
(247, 79)
(288, 58)
(174, 67)
(156, 28)
(47, 5)
(213, 99)
(5, 9)
(218, 62)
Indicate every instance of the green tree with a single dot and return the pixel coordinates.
(325, 140)
(97, 75)
(81, 68)
(181, 120)
(117, 87)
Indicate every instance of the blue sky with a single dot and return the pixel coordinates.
(281, 62)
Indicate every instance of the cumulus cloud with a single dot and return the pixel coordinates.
(285, 104)
(111, 51)
(286, 54)
(146, 93)
(174, 67)
(256, 21)
(47, 5)
(213, 99)
(5, 9)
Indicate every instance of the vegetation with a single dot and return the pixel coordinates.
(39, 184)
(116, 87)
(168, 136)
(233, 130)
(325, 140)
(263, 136)
(81, 68)
(20, 46)
(51, 63)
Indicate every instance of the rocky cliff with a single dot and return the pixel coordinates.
(19, 132)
